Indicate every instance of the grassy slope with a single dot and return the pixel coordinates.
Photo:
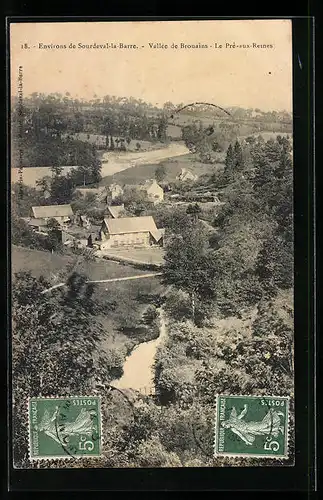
(124, 293)
(43, 263)
(173, 167)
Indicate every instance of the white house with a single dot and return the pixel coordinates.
(154, 192)
(186, 175)
(130, 232)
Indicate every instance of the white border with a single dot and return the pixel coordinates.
(66, 456)
(251, 455)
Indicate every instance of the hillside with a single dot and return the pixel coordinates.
(42, 263)
(134, 175)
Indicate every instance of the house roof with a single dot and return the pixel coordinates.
(130, 225)
(35, 222)
(158, 234)
(149, 182)
(184, 173)
(115, 210)
(48, 211)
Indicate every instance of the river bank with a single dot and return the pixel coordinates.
(114, 162)
(138, 369)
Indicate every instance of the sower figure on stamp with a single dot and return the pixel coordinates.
(48, 425)
(247, 431)
(81, 425)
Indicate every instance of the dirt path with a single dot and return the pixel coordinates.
(111, 280)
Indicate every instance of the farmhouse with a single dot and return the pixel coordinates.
(154, 192)
(130, 232)
(186, 175)
(61, 213)
(151, 188)
(115, 211)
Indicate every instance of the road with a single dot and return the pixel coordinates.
(111, 280)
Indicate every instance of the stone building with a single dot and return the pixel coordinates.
(130, 232)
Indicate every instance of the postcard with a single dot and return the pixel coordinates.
(152, 244)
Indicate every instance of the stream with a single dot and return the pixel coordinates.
(138, 369)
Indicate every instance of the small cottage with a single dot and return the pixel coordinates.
(61, 213)
(186, 175)
(115, 211)
(130, 232)
(155, 193)
(151, 188)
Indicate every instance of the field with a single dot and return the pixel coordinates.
(32, 174)
(145, 255)
(122, 304)
(173, 167)
(41, 263)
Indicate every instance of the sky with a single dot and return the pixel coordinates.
(246, 77)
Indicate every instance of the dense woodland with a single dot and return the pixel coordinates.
(43, 129)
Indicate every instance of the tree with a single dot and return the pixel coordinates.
(55, 346)
(189, 265)
(61, 190)
(22, 235)
(161, 130)
(168, 107)
(238, 157)
(160, 173)
(229, 163)
(53, 224)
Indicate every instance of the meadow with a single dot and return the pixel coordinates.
(42, 263)
(173, 166)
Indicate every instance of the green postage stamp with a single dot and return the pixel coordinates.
(67, 427)
(252, 426)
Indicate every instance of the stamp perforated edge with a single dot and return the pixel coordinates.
(63, 457)
(252, 455)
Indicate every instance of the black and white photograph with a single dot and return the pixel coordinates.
(152, 244)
